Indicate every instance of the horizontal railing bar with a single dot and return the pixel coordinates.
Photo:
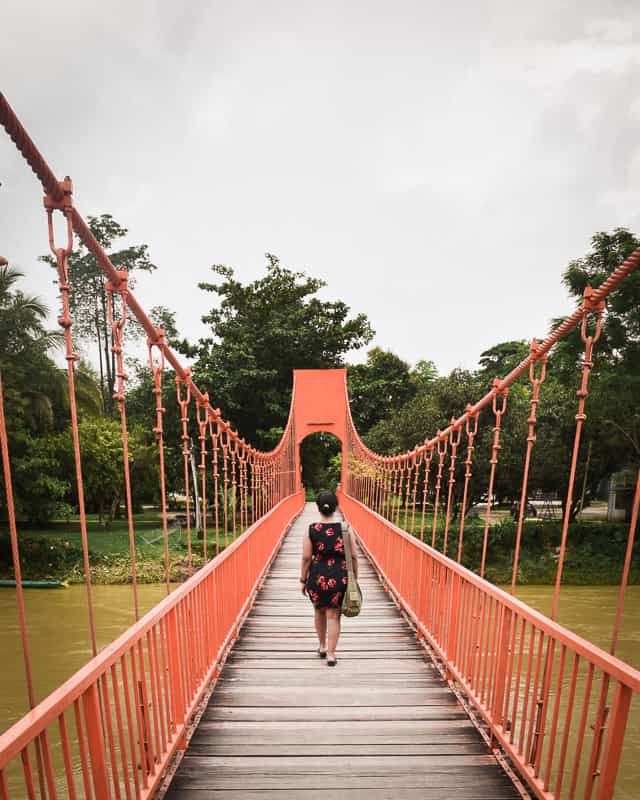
(616, 668)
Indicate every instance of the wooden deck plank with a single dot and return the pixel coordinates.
(363, 731)
(210, 746)
(462, 793)
(295, 696)
(313, 763)
(448, 780)
(328, 714)
(382, 724)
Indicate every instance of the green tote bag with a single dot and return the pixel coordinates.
(352, 600)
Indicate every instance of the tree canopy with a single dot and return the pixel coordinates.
(378, 387)
(32, 388)
(89, 302)
(611, 438)
(260, 332)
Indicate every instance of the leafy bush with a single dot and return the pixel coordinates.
(594, 555)
(40, 557)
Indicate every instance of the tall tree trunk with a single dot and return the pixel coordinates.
(106, 333)
(586, 475)
(115, 505)
(196, 495)
(103, 391)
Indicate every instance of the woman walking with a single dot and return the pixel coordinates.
(324, 572)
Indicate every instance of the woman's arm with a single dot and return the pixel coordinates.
(307, 552)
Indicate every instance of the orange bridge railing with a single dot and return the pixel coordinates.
(112, 729)
(537, 685)
(557, 704)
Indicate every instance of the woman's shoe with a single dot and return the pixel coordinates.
(322, 653)
(331, 662)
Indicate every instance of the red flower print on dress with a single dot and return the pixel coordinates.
(344, 563)
(331, 583)
(339, 546)
(330, 532)
(314, 596)
(335, 599)
(331, 562)
(318, 526)
(344, 579)
(321, 579)
(320, 545)
(316, 558)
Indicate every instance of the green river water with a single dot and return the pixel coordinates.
(58, 633)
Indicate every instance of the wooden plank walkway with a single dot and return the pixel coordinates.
(381, 724)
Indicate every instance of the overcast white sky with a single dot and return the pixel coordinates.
(438, 164)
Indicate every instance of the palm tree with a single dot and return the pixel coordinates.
(25, 344)
(21, 317)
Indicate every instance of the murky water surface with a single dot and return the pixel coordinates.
(59, 636)
(59, 639)
(589, 611)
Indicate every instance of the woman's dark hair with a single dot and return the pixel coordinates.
(327, 503)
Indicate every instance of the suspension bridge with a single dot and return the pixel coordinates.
(447, 684)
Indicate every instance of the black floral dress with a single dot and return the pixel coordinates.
(327, 578)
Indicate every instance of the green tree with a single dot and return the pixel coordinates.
(423, 374)
(89, 300)
(431, 410)
(378, 388)
(613, 417)
(260, 332)
(32, 387)
(22, 318)
(500, 359)
(41, 486)
(141, 413)
(426, 413)
(102, 464)
(321, 458)
(611, 436)
(447, 396)
(163, 317)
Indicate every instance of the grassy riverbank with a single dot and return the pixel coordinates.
(595, 550)
(55, 553)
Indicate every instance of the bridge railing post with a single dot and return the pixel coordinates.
(502, 659)
(95, 739)
(615, 740)
(454, 614)
(175, 669)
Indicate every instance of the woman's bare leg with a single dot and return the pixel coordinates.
(333, 631)
(320, 619)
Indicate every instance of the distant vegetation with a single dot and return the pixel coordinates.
(258, 333)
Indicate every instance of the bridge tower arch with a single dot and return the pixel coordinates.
(320, 404)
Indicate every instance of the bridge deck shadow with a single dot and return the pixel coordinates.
(382, 724)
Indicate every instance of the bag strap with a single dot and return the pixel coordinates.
(346, 538)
